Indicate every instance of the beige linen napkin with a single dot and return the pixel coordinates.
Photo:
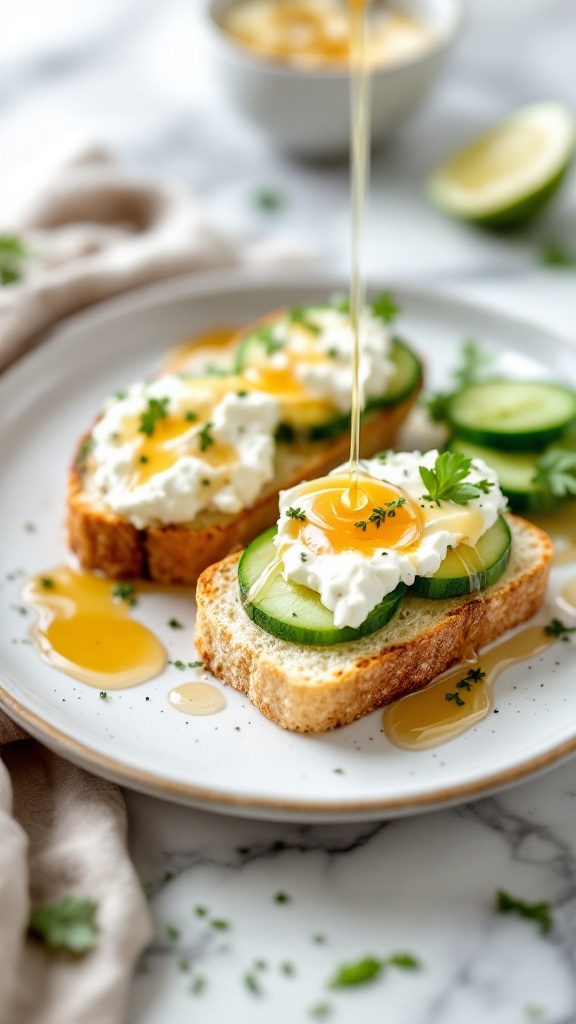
(63, 832)
(92, 231)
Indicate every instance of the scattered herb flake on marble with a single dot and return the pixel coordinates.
(172, 932)
(282, 897)
(201, 911)
(103, 694)
(252, 984)
(198, 985)
(538, 912)
(175, 624)
(184, 965)
(553, 254)
(195, 664)
(288, 969)
(269, 200)
(66, 924)
(320, 1011)
(219, 924)
(359, 973)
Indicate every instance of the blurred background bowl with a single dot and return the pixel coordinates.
(306, 112)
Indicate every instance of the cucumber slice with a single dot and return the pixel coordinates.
(295, 613)
(512, 415)
(466, 569)
(516, 472)
(316, 420)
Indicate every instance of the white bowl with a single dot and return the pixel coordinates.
(308, 112)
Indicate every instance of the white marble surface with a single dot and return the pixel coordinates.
(129, 73)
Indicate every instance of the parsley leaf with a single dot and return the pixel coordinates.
(552, 254)
(84, 451)
(157, 410)
(446, 481)
(267, 337)
(12, 253)
(385, 308)
(357, 974)
(556, 472)
(300, 315)
(66, 924)
(539, 912)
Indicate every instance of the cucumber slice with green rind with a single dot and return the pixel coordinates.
(406, 380)
(466, 570)
(512, 415)
(295, 613)
(516, 472)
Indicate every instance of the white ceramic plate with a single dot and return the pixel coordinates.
(238, 761)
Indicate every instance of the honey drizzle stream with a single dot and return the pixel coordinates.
(360, 136)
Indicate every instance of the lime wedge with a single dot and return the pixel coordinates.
(504, 177)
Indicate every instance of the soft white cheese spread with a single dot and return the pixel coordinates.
(241, 425)
(352, 583)
(329, 378)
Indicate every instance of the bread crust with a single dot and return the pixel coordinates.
(316, 689)
(178, 554)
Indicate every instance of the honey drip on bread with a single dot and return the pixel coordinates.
(428, 718)
(85, 632)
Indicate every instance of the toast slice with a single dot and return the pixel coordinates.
(313, 689)
(179, 553)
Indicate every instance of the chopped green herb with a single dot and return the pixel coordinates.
(359, 973)
(220, 925)
(143, 459)
(303, 556)
(30, 527)
(190, 416)
(157, 410)
(126, 592)
(288, 969)
(84, 451)
(120, 395)
(296, 513)
(320, 940)
(47, 582)
(66, 924)
(184, 965)
(300, 315)
(538, 912)
(456, 698)
(201, 911)
(333, 353)
(174, 624)
(269, 200)
(556, 472)
(172, 932)
(178, 664)
(260, 965)
(282, 897)
(405, 961)
(385, 308)
(267, 337)
(242, 394)
(205, 438)
(474, 362)
(378, 515)
(103, 694)
(198, 985)
(12, 254)
(445, 481)
(558, 629)
(195, 664)
(284, 433)
(252, 984)
(552, 254)
(320, 1011)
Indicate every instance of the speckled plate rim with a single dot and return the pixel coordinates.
(252, 805)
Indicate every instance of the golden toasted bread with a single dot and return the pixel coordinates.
(313, 689)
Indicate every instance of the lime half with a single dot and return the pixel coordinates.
(504, 177)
